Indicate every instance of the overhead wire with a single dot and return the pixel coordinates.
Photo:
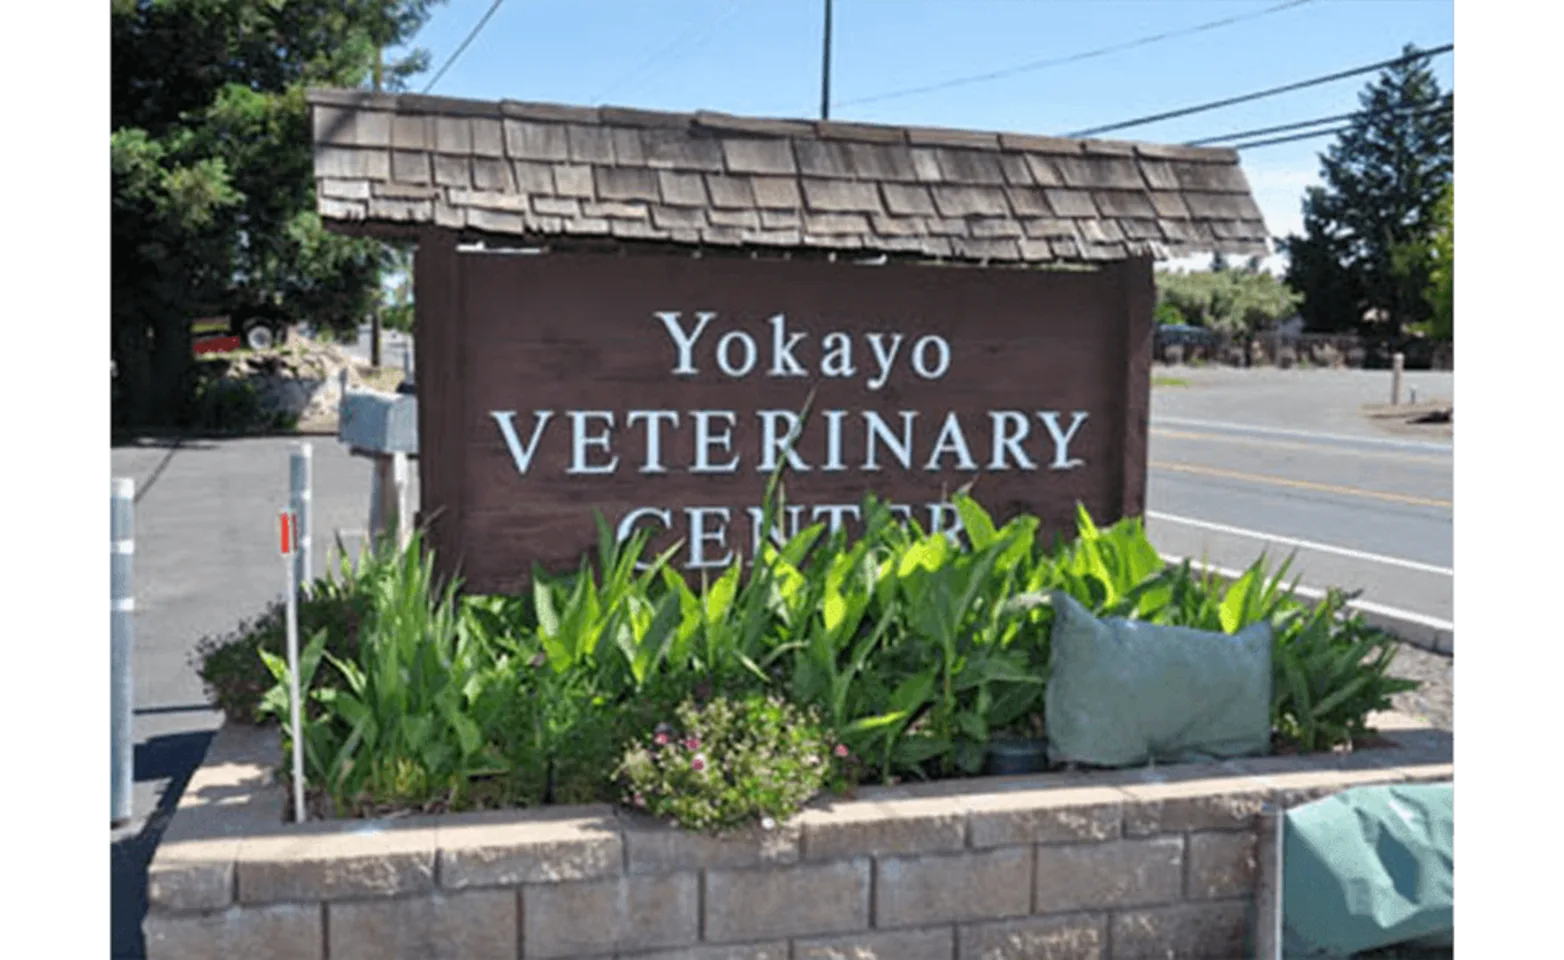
(1415, 109)
(1072, 58)
(698, 30)
(1329, 131)
(473, 35)
(1273, 91)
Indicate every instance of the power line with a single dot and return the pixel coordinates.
(461, 49)
(1330, 131)
(1072, 58)
(698, 30)
(1201, 108)
(1418, 109)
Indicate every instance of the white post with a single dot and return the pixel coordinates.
(295, 703)
(1397, 364)
(299, 481)
(399, 482)
(122, 607)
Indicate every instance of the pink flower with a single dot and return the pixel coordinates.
(698, 763)
(640, 799)
(841, 750)
(661, 739)
(692, 743)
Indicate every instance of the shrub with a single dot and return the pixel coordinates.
(728, 764)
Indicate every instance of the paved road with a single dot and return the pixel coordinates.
(206, 554)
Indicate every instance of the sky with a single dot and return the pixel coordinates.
(763, 58)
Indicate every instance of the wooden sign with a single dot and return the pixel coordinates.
(663, 391)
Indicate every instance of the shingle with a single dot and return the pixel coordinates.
(525, 140)
(1065, 249)
(763, 126)
(675, 218)
(628, 148)
(728, 191)
(682, 189)
(1141, 229)
(1108, 148)
(590, 144)
(488, 138)
(847, 241)
(1123, 203)
(1029, 201)
(759, 156)
(1113, 173)
(489, 174)
(1209, 177)
(836, 224)
(346, 189)
(573, 180)
(489, 200)
(841, 196)
(351, 128)
(1168, 151)
(1071, 203)
(588, 226)
(1048, 228)
(410, 166)
(969, 167)
(1035, 251)
(781, 220)
(969, 201)
(678, 150)
(1169, 205)
(626, 183)
(898, 226)
(1221, 206)
(722, 236)
(774, 237)
(410, 132)
(1159, 174)
(986, 249)
(347, 164)
(635, 230)
(746, 219)
(907, 200)
(1230, 230)
(994, 227)
(1101, 252)
(402, 191)
(549, 112)
(1017, 173)
(545, 224)
(449, 217)
(496, 221)
(453, 135)
(1043, 170)
(1100, 231)
(1179, 231)
(862, 132)
(634, 117)
(1256, 228)
(533, 177)
(818, 158)
(342, 209)
(940, 137)
(877, 162)
(452, 171)
(1032, 143)
(776, 193)
(615, 210)
(556, 207)
(925, 166)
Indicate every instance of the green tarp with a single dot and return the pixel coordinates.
(1125, 692)
(1369, 868)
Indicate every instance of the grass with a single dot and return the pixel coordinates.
(1162, 381)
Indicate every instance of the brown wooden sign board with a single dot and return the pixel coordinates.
(662, 391)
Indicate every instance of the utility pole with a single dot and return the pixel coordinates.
(374, 318)
(825, 68)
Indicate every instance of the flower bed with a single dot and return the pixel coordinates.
(832, 660)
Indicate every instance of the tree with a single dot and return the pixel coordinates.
(1441, 274)
(212, 181)
(1383, 178)
(1229, 301)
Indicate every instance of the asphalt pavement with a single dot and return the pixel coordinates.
(1240, 461)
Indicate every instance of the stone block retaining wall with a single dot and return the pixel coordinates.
(1109, 865)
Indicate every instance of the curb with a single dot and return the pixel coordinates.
(1425, 632)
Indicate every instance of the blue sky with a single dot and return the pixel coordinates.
(762, 57)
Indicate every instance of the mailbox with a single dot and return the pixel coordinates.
(378, 423)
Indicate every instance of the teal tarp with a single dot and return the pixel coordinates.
(1369, 868)
(1124, 692)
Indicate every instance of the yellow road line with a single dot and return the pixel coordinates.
(1299, 484)
(1311, 447)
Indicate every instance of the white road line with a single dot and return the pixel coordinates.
(1303, 544)
(1307, 435)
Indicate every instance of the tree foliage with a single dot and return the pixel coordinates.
(1227, 300)
(212, 184)
(1383, 178)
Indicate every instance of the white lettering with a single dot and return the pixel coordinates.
(951, 440)
(770, 443)
(700, 536)
(684, 342)
(937, 514)
(705, 440)
(838, 359)
(836, 511)
(783, 363)
(1010, 430)
(627, 526)
(1050, 420)
(879, 429)
(885, 360)
(919, 362)
(833, 441)
(793, 517)
(654, 435)
(724, 358)
(579, 441)
(521, 454)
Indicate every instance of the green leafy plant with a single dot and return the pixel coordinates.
(729, 763)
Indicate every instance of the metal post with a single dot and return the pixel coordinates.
(299, 479)
(122, 607)
(403, 516)
(825, 67)
(1397, 365)
(295, 703)
(1268, 885)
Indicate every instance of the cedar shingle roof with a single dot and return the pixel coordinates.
(541, 171)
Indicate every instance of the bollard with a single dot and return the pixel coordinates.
(403, 516)
(299, 479)
(1268, 884)
(1397, 364)
(122, 607)
(290, 546)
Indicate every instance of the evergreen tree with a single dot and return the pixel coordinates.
(1383, 179)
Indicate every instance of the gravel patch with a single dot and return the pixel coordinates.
(1435, 700)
